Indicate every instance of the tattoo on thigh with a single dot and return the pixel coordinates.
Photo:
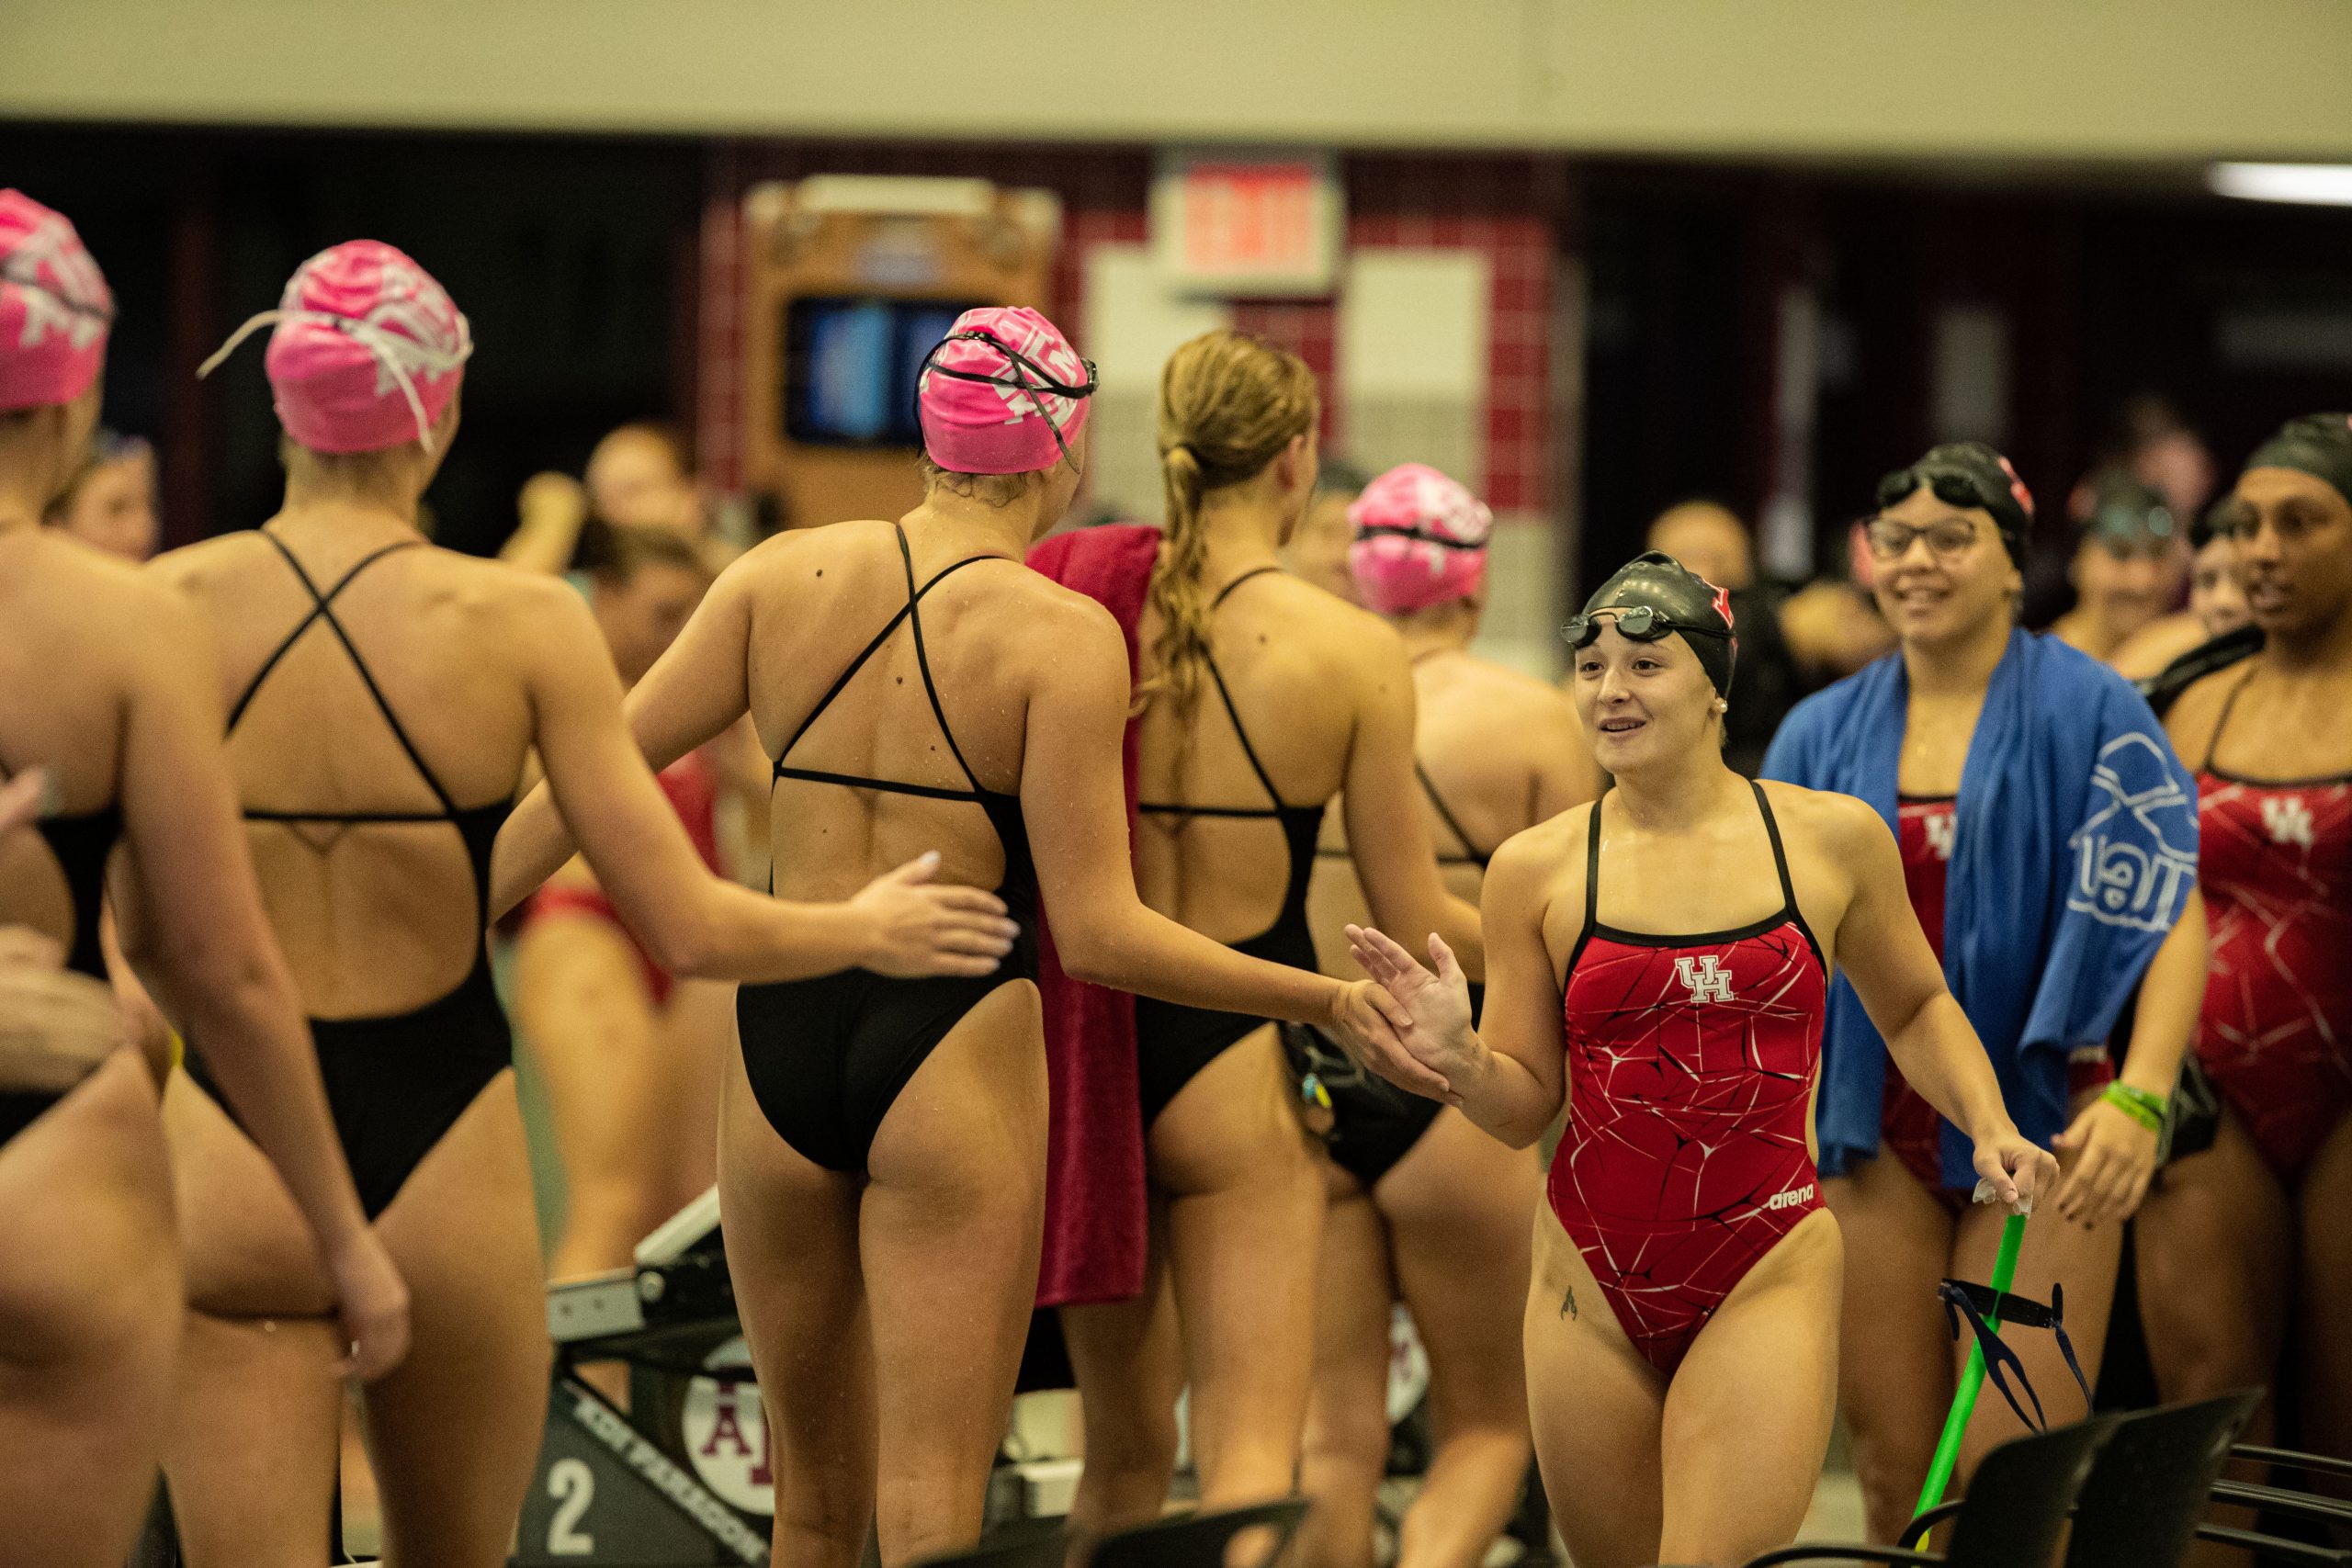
(1568, 1303)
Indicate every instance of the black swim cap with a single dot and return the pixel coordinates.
(1677, 599)
(1966, 474)
(2319, 444)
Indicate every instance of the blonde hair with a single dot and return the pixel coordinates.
(1229, 402)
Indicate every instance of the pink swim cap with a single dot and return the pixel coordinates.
(54, 307)
(1421, 539)
(1001, 393)
(368, 352)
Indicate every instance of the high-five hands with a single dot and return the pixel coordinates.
(1437, 1044)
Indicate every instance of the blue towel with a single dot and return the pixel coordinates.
(2075, 846)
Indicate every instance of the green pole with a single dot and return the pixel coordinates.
(1972, 1377)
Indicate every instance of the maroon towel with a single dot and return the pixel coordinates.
(1094, 1180)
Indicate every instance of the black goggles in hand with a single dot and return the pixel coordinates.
(1022, 373)
(1636, 622)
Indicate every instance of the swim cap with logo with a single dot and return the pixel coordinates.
(368, 353)
(1001, 393)
(1654, 595)
(55, 308)
(1419, 539)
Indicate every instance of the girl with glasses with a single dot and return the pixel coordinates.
(2048, 836)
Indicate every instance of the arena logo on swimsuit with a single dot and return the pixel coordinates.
(2125, 883)
(1793, 1198)
(1708, 980)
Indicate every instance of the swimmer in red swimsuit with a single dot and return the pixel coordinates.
(2245, 1233)
(1660, 961)
(2031, 719)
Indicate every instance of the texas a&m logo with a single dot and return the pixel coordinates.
(1706, 977)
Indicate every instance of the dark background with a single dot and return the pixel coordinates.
(577, 260)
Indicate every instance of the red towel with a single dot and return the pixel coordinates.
(1094, 1180)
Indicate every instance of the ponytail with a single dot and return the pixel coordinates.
(1228, 404)
(1179, 589)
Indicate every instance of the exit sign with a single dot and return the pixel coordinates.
(1227, 223)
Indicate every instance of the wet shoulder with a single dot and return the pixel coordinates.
(1822, 829)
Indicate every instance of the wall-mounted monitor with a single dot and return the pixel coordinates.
(850, 364)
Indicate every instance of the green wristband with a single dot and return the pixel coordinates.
(2148, 1110)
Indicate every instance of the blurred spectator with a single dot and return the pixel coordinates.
(1709, 539)
(1765, 681)
(1832, 624)
(640, 475)
(2129, 564)
(2216, 603)
(630, 1055)
(1319, 550)
(111, 502)
(2167, 456)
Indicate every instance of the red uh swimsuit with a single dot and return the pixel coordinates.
(692, 784)
(1690, 1070)
(2275, 860)
(1909, 1128)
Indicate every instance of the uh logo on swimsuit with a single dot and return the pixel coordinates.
(2287, 820)
(1708, 980)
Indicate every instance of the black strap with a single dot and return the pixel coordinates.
(1445, 813)
(322, 609)
(888, 786)
(1265, 780)
(922, 654)
(1592, 870)
(906, 612)
(2213, 744)
(1227, 591)
(1977, 1303)
(1779, 854)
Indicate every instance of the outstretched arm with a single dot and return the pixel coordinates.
(691, 922)
(216, 961)
(1883, 952)
(1508, 1075)
(1388, 833)
(1071, 780)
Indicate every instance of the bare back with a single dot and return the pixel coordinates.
(1294, 661)
(370, 737)
(1497, 751)
(850, 694)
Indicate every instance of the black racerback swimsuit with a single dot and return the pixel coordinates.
(1174, 1042)
(398, 1082)
(827, 1057)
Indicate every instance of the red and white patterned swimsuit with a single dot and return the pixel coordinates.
(1691, 1064)
(2274, 861)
